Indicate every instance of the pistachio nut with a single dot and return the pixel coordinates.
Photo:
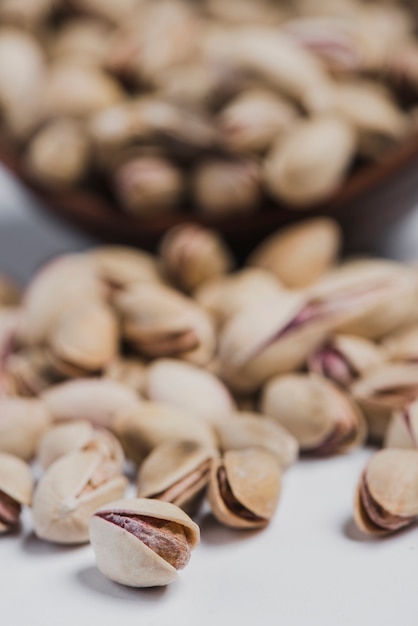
(402, 345)
(97, 400)
(383, 390)
(223, 187)
(120, 266)
(177, 472)
(300, 254)
(22, 423)
(344, 358)
(159, 321)
(64, 438)
(130, 371)
(69, 492)
(191, 255)
(387, 493)
(190, 389)
(254, 430)
(244, 488)
(402, 431)
(298, 169)
(153, 423)
(16, 486)
(142, 542)
(323, 418)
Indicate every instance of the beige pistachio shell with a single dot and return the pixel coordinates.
(191, 255)
(107, 10)
(152, 423)
(244, 488)
(402, 430)
(142, 542)
(22, 423)
(176, 471)
(190, 389)
(387, 494)
(95, 399)
(85, 39)
(29, 371)
(130, 371)
(69, 492)
(123, 266)
(16, 479)
(25, 13)
(300, 254)
(247, 430)
(323, 418)
(402, 345)
(78, 435)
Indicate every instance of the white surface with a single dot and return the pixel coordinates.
(310, 567)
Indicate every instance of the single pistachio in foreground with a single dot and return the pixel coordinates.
(142, 542)
(16, 486)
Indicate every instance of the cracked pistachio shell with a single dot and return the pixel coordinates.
(16, 487)
(402, 431)
(324, 419)
(387, 494)
(142, 542)
(28, 372)
(250, 429)
(177, 472)
(402, 345)
(69, 492)
(55, 287)
(161, 322)
(380, 295)
(227, 186)
(22, 423)
(97, 400)
(344, 358)
(130, 371)
(190, 389)
(245, 487)
(78, 435)
(85, 336)
(383, 390)
(58, 154)
(154, 423)
(191, 255)
(300, 254)
(276, 335)
(299, 171)
(227, 295)
(121, 266)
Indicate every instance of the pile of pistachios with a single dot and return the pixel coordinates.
(209, 380)
(215, 105)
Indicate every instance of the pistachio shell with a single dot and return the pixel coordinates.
(190, 389)
(70, 491)
(86, 39)
(402, 345)
(122, 266)
(16, 478)
(130, 371)
(22, 423)
(134, 540)
(244, 488)
(25, 13)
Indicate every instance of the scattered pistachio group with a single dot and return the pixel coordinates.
(167, 102)
(209, 381)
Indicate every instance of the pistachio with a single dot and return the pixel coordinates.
(387, 494)
(344, 358)
(263, 12)
(190, 389)
(69, 492)
(22, 423)
(120, 266)
(300, 254)
(298, 169)
(107, 10)
(29, 372)
(384, 389)
(142, 542)
(84, 39)
(402, 431)
(247, 430)
(159, 321)
(227, 187)
(191, 255)
(78, 435)
(324, 419)
(130, 371)
(177, 472)
(16, 485)
(154, 423)
(402, 345)
(244, 488)
(25, 13)
(97, 400)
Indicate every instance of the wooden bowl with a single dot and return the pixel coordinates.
(367, 204)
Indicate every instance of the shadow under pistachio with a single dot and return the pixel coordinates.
(31, 544)
(214, 533)
(91, 578)
(353, 533)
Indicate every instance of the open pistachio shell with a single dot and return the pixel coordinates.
(22, 423)
(16, 486)
(402, 345)
(324, 419)
(244, 488)
(142, 542)
(402, 430)
(189, 388)
(130, 371)
(69, 492)
(387, 494)
(177, 472)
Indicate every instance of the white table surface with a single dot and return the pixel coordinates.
(310, 567)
